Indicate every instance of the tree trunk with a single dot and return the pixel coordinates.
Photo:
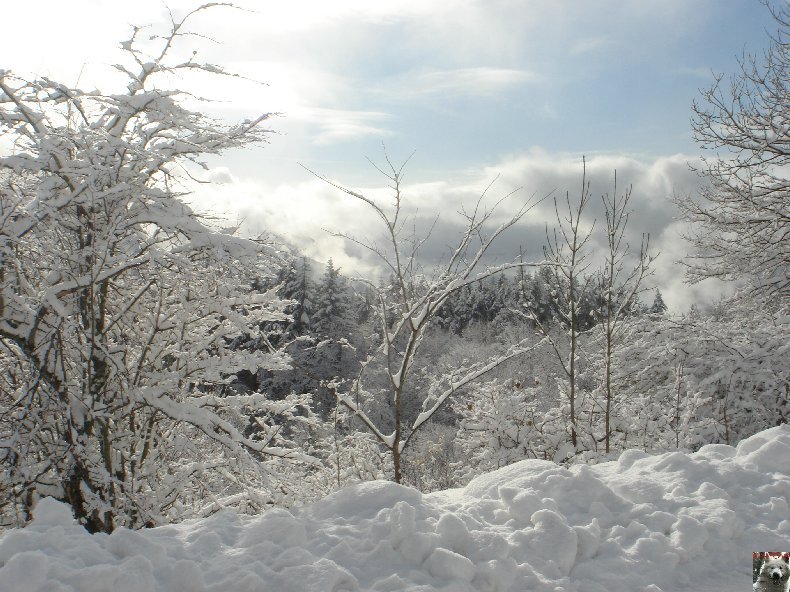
(572, 364)
(396, 461)
(73, 494)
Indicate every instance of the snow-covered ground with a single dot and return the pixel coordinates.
(643, 523)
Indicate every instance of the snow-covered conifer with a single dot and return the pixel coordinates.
(658, 306)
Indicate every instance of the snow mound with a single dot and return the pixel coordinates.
(673, 521)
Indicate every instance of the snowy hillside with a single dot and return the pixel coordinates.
(668, 522)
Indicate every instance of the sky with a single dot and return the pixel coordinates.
(516, 92)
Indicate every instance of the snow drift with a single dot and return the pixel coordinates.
(673, 521)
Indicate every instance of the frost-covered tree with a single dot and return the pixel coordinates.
(296, 285)
(566, 249)
(741, 221)
(740, 228)
(498, 426)
(704, 377)
(538, 296)
(332, 357)
(118, 304)
(456, 312)
(331, 308)
(409, 306)
(658, 306)
(620, 285)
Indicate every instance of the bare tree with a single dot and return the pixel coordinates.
(567, 255)
(620, 287)
(741, 220)
(418, 298)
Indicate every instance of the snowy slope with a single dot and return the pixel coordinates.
(668, 522)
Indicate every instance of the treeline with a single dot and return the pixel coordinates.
(678, 381)
(328, 311)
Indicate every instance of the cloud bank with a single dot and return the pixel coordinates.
(309, 214)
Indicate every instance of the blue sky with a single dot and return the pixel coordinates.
(520, 89)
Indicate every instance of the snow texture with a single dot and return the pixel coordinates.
(674, 521)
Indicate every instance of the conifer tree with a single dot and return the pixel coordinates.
(658, 306)
(297, 286)
(330, 317)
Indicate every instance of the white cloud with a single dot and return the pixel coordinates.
(653, 181)
(477, 82)
(335, 125)
(590, 44)
(304, 212)
(221, 176)
(304, 15)
(670, 272)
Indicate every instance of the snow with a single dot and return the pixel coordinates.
(673, 521)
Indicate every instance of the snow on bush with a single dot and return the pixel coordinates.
(673, 521)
